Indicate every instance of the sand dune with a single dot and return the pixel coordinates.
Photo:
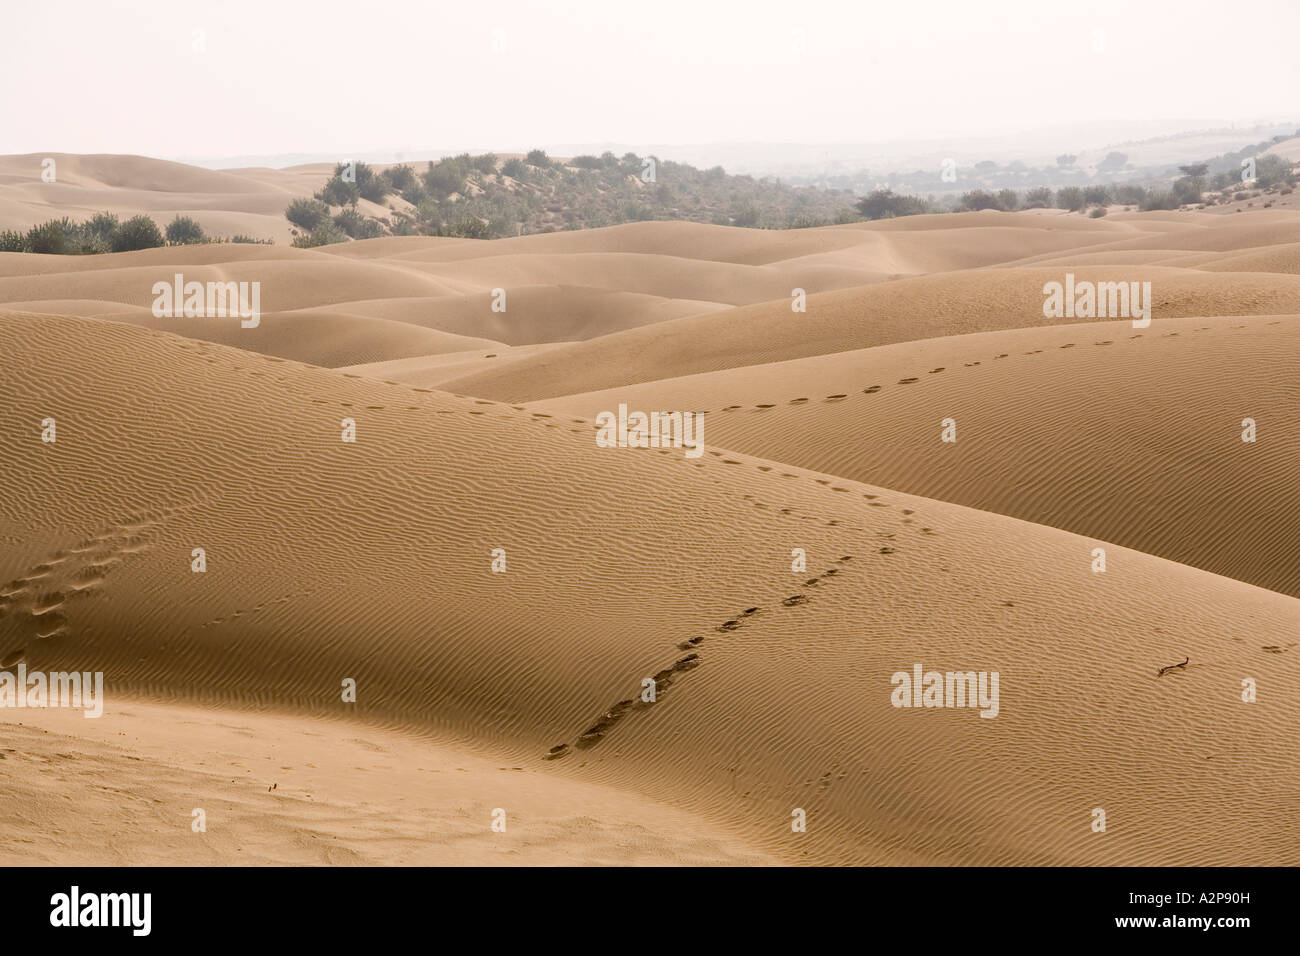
(1126, 436)
(909, 309)
(224, 202)
(329, 561)
(311, 543)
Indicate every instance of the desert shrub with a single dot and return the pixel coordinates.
(1187, 190)
(485, 164)
(514, 168)
(356, 225)
(400, 178)
(1272, 170)
(1097, 212)
(102, 225)
(339, 192)
(307, 214)
(1039, 198)
(467, 228)
(249, 240)
(585, 162)
(445, 177)
(184, 231)
(1008, 200)
(978, 199)
(369, 184)
(1158, 200)
(1128, 194)
(1096, 196)
(11, 241)
(886, 204)
(538, 158)
(324, 234)
(50, 238)
(138, 232)
(744, 214)
(1069, 197)
(415, 194)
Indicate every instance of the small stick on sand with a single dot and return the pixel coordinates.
(1169, 667)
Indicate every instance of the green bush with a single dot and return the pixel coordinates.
(50, 238)
(886, 204)
(1096, 196)
(337, 191)
(468, 228)
(1039, 198)
(11, 241)
(307, 213)
(184, 231)
(1272, 170)
(358, 226)
(400, 178)
(978, 199)
(1158, 200)
(370, 184)
(138, 232)
(1069, 197)
(325, 234)
(514, 168)
(445, 177)
(102, 226)
(538, 158)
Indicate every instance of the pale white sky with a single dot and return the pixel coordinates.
(237, 77)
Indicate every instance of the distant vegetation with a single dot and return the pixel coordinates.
(485, 197)
(104, 233)
(1219, 180)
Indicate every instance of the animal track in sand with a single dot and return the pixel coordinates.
(664, 679)
(73, 573)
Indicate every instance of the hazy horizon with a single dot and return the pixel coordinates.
(178, 80)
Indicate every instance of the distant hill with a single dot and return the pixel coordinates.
(491, 196)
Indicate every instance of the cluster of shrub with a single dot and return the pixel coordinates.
(1196, 186)
(105, 233)
(484, 197)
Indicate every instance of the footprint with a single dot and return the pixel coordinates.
(907, 381)
(687, 663)
(794, 600)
